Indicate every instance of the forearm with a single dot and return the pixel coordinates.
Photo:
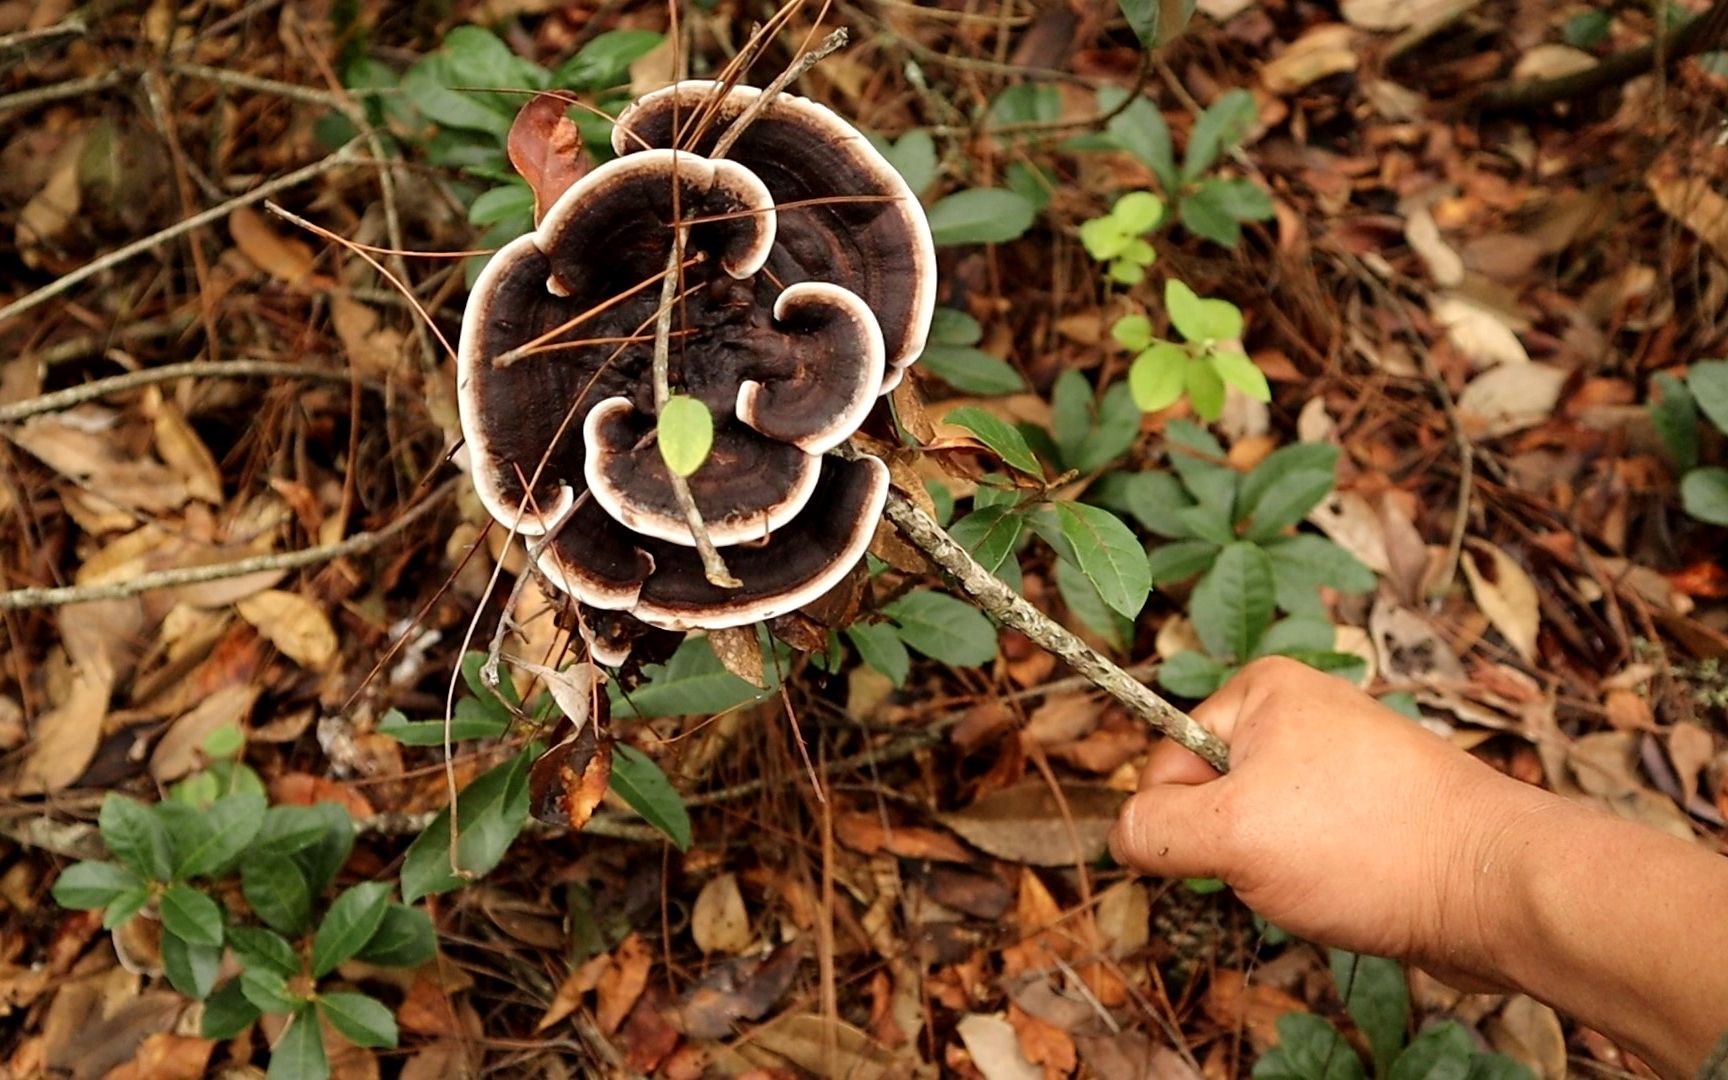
(1620, 926)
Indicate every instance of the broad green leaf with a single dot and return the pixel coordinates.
(299, 1053)
(980, 216)
(1201, 215)
(1103, 237)
(1704, 493)
(405, 939)
(191, 969)
(1708, 382)
(990, 534)
(362, 1019)
(1347, 666)
(1297, 634)
(995, 489)
(1232, 605)
(1675, 416)
(1031, 182)
(943, 498)
(267, 989)
(1152, 497)
(1222, 125)
(477, 725)
(1208, 521)
(605, 61)
(1116, 429)
(225, 831)
(1180, 560)
(641, 783)
(490, 812)
(506, 202)
(692, 683)
(288, 829)
(1283, 488)
(1155, 22)
(1086, 604)
(971, 371)
(135, 836)
(685, 434)
(951, 326)
(1125, 269)
(1309, 1048)
(1301, 564)
(226, 1012)
(192, 915)
(1001, 437)
(1205, 390)
(1378, 999)
(1440, 1052)
(943, 628)
(431, 84)
(1485, 1066)
(255, 947)
(1199, 319)
(350, 923)
(1025, 103)
(913, 156)
(502, 699)
(1071, 412)
(276, 888)
(882, 649)
(1138, 212)
(322, 860)
(1139, 128)
(124, 906)
(1586, 29)
(1132, 332)
(1242, 199)
(1193, 674)
(1235, 369)
(86, 886)
(1108, 554)
(1158, 376)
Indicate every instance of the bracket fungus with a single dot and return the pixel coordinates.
(806, 287)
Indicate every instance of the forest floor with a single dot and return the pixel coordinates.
(1479, 299)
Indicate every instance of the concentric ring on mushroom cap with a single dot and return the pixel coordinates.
(820, 402)
(802, 150)
(748, 487)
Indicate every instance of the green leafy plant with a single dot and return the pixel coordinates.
(952, 355)
(1378, 1001)
(1703, 488)
(1208, 359)
(1118, 238)
(172, 861)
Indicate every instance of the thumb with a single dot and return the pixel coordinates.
(1175, 830)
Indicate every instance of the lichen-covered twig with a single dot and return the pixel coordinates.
(1011, 609)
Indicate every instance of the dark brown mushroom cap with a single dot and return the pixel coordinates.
(817, 397)
(880, 249)
(605, 565)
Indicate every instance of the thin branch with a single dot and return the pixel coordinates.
(830, 44)
(60, 91)
(191, 369)
(360, 543)
(1011, 609)
(263, 191)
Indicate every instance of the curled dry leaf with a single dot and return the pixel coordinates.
(826, 1048)
(545, 147)
(866, 833)
(995, 1048)
(1485, 336)
(1322, 51)
(1445, 265)
(568, 781)
(719, 922)
(181, 748)
(740, 653)
(623, 982)
(1505, 594)
(293, 624)
(183, 450)
(575, 689)
(1352, 523)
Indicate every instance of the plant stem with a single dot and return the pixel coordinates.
(1011, 609)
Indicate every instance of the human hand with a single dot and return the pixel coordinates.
(1339, 821)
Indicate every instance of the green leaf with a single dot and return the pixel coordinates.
(1158, 376)
(1586, 29)
(1181, 560)
(1304, 562)
(191, 969)
(264, 949)
(490, 812)
(1205, 390)
(1132, 332)
(362, 1019)
(276, 888)
(1235, 369)
(350, 923)
(1192, 674)
(1117, 428)
(431, 84)
(1484, 1066)
(1222, 125)
(1108, 554)
(226, 1012)
(1156, 21)
(1309, 1048)
(506, 202)
(1031, 182)
(1138, 212)
(1071, 411)
(971, 371)
(1140, 129)
(192, 915)
(990, 534)
(1708, 382)
(431, 732)
(1201, 215)
(882, 649)
(1198, 319)
(685, 434)
(641, 783)
(124, 906)
(1152, 497)
(266, 989)
(1232, 605)
(693, 682)
(1025, 103)
(1704, 493)
(1675, 416)
(323, 859)
(86, 886)
(1440, 1052)
(225, 742)
(1086, 604)
(605, 61)
(299, 1053)
(914, 158)
(501, 699)
(1103, 237)
(951, 326)
(980, 216)
(1378, 1000)
(1297, 634)
(1284, 487)
(405, 939)
(225, 831)
(1242, 199)
(1002, 439)
(943, 628)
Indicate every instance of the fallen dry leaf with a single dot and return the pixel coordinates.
(866, 832)
(1445, 265)
(719, 922)
(1509, 398)
(287, 259)
(1529, 1032)
(1484, 336)
(1505, 594)
(805, 1039)
(183, 450)
(623, 982)
(1395, 14)
(1695, 203)
(293, 624)
(1024, 823)
(1322, 51)
(181, 748)
(995, 1048)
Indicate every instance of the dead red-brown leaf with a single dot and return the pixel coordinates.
(1234, 1003)
(866, 833)
(623, 982)
(1044, 1043)
(545, 148)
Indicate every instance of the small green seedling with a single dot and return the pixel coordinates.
(1703, 488)
(1208, 359)
(1119, 237)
